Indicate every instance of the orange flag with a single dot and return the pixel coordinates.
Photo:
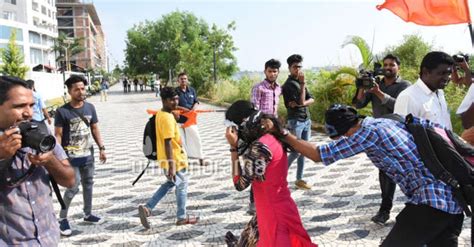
(429, 12)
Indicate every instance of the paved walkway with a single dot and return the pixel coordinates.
(336, 211)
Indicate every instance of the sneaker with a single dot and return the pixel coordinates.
(93, 219)
(381, 217)
(144, 213)
(301, 184)
(251, 209)
(64, 227)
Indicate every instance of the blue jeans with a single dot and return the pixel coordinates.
(181, 193)
(85, 176)
(302, 130)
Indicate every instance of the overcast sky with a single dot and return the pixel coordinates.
(276, 29)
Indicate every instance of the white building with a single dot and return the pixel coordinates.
(36, 25)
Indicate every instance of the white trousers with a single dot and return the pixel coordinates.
(191, 141)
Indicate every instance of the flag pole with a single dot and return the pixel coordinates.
(466, 2)
(471, 33)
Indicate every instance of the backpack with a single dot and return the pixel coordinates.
(448, 157)
(149, 139)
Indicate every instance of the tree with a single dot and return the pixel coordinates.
(13, 59)
(411, 52)
(177, 42)
(70, 46)
(364, 49)
(116, 72)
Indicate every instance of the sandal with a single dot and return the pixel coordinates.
(144, 213)
(190, 219)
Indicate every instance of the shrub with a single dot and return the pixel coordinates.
(454, 95)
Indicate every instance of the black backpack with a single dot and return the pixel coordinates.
(448, 163)
(149, 139)
(149, 144)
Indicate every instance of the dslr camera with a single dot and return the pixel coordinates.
(367, 78)
(459, 58)
(35, 135)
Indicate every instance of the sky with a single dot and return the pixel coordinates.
(269, 29)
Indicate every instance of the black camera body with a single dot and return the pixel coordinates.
(35, 135)
(459, 58)
(367, 78)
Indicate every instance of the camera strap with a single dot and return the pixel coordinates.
(57, 192)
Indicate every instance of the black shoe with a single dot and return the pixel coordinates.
(381, 217)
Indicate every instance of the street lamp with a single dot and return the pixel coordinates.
(66, 44)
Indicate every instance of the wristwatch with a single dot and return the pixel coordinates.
(102, 148)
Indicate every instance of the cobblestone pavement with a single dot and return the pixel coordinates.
(335, 212)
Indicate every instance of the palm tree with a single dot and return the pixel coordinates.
(67, 47)
(364, 49)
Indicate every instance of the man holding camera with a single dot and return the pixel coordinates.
(432, 216)
(425, 99)
(466, 109)
(382, 95)
(26, 209)
(76, 123)
(297, 99)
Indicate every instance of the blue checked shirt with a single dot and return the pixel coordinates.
(391, 148)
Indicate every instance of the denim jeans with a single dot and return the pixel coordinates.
(181, 193)
(302, 130)
(85, 176)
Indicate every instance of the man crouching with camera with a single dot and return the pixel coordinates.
(382, 94)
(28, 158)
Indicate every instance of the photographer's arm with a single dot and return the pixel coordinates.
(361, 99)
(61, 171)
(466, 79)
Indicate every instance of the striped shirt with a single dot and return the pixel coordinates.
(27, 216)
(265, 97)
(391, 148)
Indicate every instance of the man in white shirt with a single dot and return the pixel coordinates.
(157, 85)
(425, 99)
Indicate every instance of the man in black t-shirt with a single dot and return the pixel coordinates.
(75, 126)
(297, 99)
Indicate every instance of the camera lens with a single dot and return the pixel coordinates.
(47, 144)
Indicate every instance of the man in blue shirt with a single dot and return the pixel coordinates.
(40, 113)
(431, 215)
(188, 101)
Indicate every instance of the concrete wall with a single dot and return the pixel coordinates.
(49, 85)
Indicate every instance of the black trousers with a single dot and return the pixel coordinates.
(387, 186)
(419, 225)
